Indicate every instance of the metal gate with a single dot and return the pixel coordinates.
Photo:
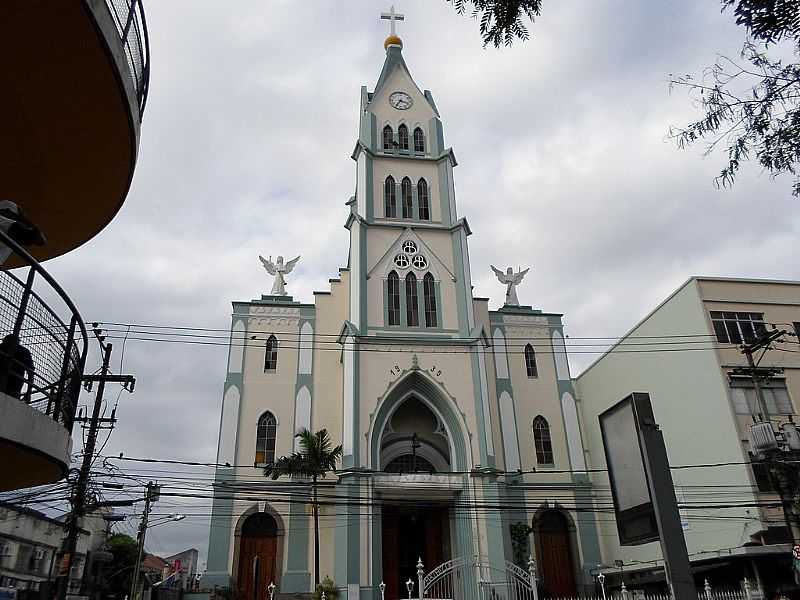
(475, 578)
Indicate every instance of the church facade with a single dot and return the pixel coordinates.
(458, 423)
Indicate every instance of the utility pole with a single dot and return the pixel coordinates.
(151, 495)
(70, 543)
(779, 453)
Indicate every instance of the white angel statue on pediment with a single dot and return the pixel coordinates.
(512, 280)
(279, 269)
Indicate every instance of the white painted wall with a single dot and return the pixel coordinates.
(691, 406)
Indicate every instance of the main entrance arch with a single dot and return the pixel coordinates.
(258, 549)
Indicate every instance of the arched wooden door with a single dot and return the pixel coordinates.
(555, 554)
(257, 548)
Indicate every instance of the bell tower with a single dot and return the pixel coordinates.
(408, 250)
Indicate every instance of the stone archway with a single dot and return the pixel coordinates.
(257, 555)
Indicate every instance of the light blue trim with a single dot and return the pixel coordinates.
(485, 460)
(462, 296)
(347, 561)
(297, 578)
(369, 192)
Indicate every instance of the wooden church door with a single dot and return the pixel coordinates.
(555, 554)
(257, 549)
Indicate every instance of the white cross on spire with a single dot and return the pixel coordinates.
(392, 17)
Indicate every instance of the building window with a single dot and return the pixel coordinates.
(541, 441)
(265, 439)
(412, 310)
(408, 463)
(422, 199)
(530, 361)
(419, 140)
(776, 397)
(402, 137)
(736, 327)
(760, 474)
(271, 354)
(388, 138)
(429, 293)
(406, 199)
(393, 299)
(389, 197)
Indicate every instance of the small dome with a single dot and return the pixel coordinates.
(392, 39)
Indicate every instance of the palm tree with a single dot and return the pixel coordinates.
(315, 459)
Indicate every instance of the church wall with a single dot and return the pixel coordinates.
(536, 396)
(273, 391)
(481, 311)
(414, 170)
(379, 241)
(418, 115)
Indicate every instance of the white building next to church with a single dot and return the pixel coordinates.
(443, 407)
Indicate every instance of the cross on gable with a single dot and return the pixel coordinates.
(392, 16)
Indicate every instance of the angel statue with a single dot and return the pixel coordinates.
(512, 280)
(279, 269)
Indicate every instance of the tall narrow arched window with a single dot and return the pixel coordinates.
(542, 442)
(406, 198)
(419, 140)
(422, 200)
(429, 294)
(530, 361)
(265, 439)
(412, 309)
(393, 299)
(388, 138)
(402, 137)
(271, 354)
(390, 198)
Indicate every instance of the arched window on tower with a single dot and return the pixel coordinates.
(542, 442)
(388, 138)
(389, 197)
(393, 299)
(265, 439)
(429, 293)
(271, 354)
(412, 309)
(530, 361)
(402, 137)
(419, 140)
(422, 200)
(406, 198)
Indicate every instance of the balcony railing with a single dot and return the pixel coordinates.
(131, 25)
(42, 340)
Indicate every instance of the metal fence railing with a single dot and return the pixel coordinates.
(42, 340)
(131, 25)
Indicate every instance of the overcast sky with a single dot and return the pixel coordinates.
(564, 166)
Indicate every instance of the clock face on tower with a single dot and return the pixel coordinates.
(400, 100)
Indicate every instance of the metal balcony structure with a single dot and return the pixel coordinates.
(42, 354)
(75, 78)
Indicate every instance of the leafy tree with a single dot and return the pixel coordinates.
(315, 458)
(751, 104)
(120, 570)
(501, 21)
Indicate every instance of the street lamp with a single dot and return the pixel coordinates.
(409, 587)
(601, 579)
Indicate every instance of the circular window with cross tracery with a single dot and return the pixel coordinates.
(419, 261)
(409, 247)
(402, 261)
